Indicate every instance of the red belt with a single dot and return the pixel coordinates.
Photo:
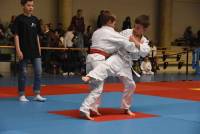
(93, 50)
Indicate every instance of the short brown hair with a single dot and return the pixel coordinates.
(142, 20)
(107, 16)
(23, 2)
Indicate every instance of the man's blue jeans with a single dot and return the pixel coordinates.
(22, 77)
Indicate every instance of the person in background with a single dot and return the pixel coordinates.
(188, 36)
(88, 37)
(127, 23)
(146, 66)
(99, 20)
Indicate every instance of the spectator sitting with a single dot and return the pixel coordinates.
(2, 32)
(41, 23)
(68, 38)
(60, 29)
(9, 36)
(1, 26)
(198, 38)
(12, 21)
(79, 27)
(46, 36)
(153, 59)
(51, 27)
(87, 37)
(55, 56)
(55, 39)
(146, 66)
(188, 36)
(71, 60)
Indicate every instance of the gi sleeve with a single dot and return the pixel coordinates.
(120, 40)
(144, 48)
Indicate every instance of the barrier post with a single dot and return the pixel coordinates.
(187, 58)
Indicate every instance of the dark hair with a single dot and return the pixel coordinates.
(47, 25)
(23, 2)
(70, 28)
(101, 12)
(79, 10)
(128, 18)
(142, 20)
(88, 28)
(107, 16)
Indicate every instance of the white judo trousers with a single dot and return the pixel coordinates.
(92, 101)
(100, 73)
(114, 66)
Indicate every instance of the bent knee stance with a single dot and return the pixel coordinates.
(130, 85)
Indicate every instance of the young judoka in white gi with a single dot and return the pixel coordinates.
(119, 65)
(146, 66)
(105, 42)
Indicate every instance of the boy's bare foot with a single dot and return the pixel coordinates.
(85, 79)
(129, 112)
(87, 116)
(96, 112)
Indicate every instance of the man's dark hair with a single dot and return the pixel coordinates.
(107, 16)
(142, 20)
(23, 2)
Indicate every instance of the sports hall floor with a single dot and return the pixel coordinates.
(164, 104)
